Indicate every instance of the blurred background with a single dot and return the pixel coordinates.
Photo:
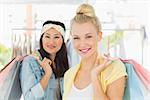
(125, 23)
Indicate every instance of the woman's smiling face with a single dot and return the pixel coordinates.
(52, 41)
(85, 38)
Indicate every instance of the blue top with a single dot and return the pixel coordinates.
(30, 75)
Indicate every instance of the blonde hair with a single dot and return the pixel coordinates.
(86, 13)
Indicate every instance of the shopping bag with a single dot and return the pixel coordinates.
(142, 73)
(135, 88)
(4, 72)
(10, 88)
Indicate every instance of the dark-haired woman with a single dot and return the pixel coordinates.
(42, 77)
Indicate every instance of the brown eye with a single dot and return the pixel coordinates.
(47, 36)
(56, 37)
(88, 36)
(75, 38)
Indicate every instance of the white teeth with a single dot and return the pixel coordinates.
(84, 50)
(51, 46)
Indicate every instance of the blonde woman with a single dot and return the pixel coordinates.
(95, 77)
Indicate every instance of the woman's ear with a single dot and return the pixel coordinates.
(99, 36)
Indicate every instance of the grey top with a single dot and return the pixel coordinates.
(57, 92)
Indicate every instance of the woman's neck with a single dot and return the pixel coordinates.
(88, 63)
(52, 56)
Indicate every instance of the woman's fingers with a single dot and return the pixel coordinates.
(45, 60)
(106, 62)
(104, 65)
(45, 63)
(48, 61)
(107, 56)
(101, 66)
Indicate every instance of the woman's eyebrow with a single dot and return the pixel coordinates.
(47, 34)
(54, 34)
(74, 35)
(57, 34)
(88, 33)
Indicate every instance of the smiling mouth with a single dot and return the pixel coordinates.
(84, 51)
(51, 46)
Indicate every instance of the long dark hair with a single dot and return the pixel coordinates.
(61, 60)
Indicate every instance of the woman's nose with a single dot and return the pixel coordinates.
(51, 41)
(82, 41)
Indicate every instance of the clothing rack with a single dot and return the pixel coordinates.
(24, 40)
(136, 29)
(141, 30)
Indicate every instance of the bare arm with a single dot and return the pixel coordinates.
(45, 64)
(98, 93)
(115, 90)
(44, 80)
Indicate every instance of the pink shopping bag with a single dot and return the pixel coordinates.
(137, 85)
(10, 85)
(143, 74)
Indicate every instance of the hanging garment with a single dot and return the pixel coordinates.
(73, 57)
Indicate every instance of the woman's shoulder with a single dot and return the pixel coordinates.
(113, 72)
(30, 61)
(117, 66)
(118, 62)
(71, 70)
(29, 58)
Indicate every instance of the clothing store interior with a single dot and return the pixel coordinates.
(126, 22)
(125, 27)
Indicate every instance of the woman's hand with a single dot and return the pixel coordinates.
(97, 87)
(100, 67)
(45, 63)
